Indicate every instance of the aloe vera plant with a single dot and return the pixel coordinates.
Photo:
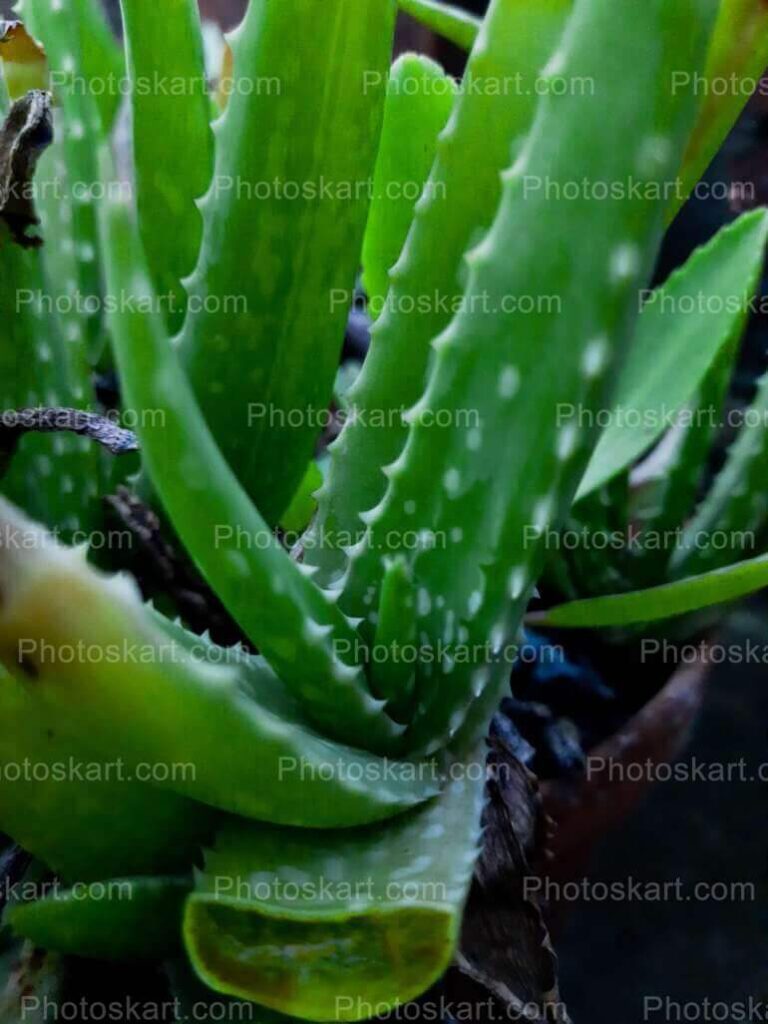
(335, 795)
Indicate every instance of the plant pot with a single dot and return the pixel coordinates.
(587, 806)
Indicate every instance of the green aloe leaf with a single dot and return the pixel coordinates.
(296, 517)
(50, 476)
(85, 815)
(336, 926)
(79, 127)
(483, 528)
(447, 20)
(295, 150)
(664, 602)
(678, 467)
(683, 327)
(734, 510)
(103, 62)
(427, 283)
(95, 661)
(419, 100)
(305, 637)
(168, 122)
(737, 56)
(118, 919)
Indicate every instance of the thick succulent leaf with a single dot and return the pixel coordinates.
(75, 171)
(419, 100)
(447, 20)
(325, 926)
(739, 48)
(51, 476)
(295, 150)
(84, 816)
(683, 327)
(300, 632)
(472, 150)
(103, 63)
(195, 1001)
(670, 599)
(735, 508)
(672, 475)
(483, 518)
(738, 55)
(172, 140)
(118, 919)
(93, 660)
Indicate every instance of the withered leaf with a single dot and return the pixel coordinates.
(506, 968)
(16, 422)
(27, 131)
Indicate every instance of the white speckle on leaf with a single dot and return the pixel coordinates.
(595, 354)
(475, 601)
(452, 481)
(655, 154)
(625, 262)
(480, 681)
(509, 382)
(457, 535)
(541, 513)
(555, 65)
(409, 507)
(435, 831)
(566, 441)
(498, 634)
(474, 439)
(423, 602)
(516, 582)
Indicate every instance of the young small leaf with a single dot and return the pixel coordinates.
(419, 99)
(682, 327)
(664, 602)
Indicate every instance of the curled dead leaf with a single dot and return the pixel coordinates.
(506, 968)
(27, 132)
